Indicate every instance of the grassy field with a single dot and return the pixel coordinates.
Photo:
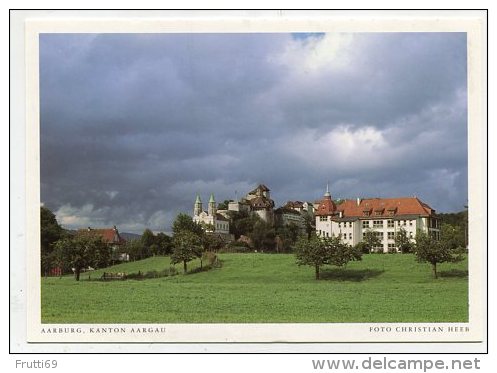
(264, 288)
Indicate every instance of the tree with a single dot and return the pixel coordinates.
(242, 223)
(164, 243)
(287, 236)
(432, 251)
(262, 235)
(309, 223)
(184, 222)
(341, 253)
(135, 249)
(453, 236)
(223, 205)
(187, 246)
(50, 232)
(318, 251)
(370, 241)
(79, 252)
(311, 252)
(148, 240)
(403, 242)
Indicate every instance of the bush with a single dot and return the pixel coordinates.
(235, 249)
(210, 257)
(171, 271)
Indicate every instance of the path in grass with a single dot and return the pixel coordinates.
(265, 288)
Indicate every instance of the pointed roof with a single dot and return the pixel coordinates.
(212, 198)
(197, 200)
(327, 194)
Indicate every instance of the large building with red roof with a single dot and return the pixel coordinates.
(349, 219)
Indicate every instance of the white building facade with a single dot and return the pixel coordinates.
(210, 219)
(351, 219)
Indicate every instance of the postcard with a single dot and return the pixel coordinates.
(272, 177)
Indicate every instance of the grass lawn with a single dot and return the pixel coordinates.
(264, 288)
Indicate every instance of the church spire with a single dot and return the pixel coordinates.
(327, 194)
(212, 205)
(197, 207)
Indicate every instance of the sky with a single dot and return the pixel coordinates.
(133, 126)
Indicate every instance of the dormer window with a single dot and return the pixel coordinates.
(391, 211)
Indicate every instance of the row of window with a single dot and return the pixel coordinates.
(390, 223)
(376, 223)
(381, 235)
(222, 226)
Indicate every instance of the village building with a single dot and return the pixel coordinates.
(350, 219)
(111, 237)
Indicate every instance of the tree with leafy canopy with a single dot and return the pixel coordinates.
(187, 246)
(287, 236)
(184, 222)
(370, 241)
(135, 249)
(262, 235)
(50, 233)
(430, 250)
(148, 241)
(403, 242)
(318, 251)
(80, 252)
(164, 243)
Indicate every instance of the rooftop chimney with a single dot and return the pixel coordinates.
(358, 201)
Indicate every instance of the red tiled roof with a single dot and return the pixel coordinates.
(326, 207)
(400, 206)
(110, 235)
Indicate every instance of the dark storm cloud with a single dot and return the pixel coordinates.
(134, 125)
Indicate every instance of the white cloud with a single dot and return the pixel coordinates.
(344, 147)
(312, 55)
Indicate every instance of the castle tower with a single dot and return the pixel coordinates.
(212, 206)
(197, 207)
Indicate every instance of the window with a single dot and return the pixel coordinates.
(378, 213)
(365, 223)
(378, 224)
(323, 218)
(339, 225)
(391, 236)
(350, 224)
(391, 247)
(390, 223)
(350, 236)
(410, 222)
(345, 236)
(379, 235)
(410, 235)
(365, 213)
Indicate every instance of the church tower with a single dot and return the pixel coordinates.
(212, 206)
(197, 208)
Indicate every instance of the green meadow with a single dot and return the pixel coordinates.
(264, 288)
